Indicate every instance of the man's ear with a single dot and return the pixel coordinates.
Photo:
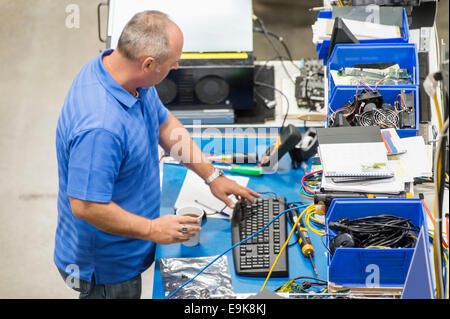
(148, 64)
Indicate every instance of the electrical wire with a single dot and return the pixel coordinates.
(283, 94)
(235, 245)
(266, 34)
(284, 245)
(437, 242)
(308, 216)
(281, 40)
(433, 221)
(309, 184)
(380, 230)
(438, 111)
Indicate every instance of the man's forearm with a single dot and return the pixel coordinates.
(176, 141)
(112, 219)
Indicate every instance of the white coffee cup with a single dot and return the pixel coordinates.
(193, 212)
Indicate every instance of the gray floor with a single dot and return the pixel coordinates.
(39, 57)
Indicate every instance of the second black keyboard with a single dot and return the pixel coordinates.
(255, 256)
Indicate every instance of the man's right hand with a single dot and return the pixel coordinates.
(166, 229)
(111, 218)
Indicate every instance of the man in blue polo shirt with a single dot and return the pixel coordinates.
(107, 149)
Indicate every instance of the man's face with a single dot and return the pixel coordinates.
(163, 69)
(160, 70)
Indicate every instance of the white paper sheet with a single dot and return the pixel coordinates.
(194, 188)
(417, 160)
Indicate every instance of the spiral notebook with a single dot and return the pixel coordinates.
(353, 153)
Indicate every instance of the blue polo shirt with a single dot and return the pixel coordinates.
(107, 150)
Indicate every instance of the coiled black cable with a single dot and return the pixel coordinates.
(382, 230)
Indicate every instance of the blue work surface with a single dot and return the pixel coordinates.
(215, 237)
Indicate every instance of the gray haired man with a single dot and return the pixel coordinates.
(107, 147)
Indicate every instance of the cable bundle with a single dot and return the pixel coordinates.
(382, 231)
(310, 183)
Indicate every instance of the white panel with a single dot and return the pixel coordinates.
(207, 25)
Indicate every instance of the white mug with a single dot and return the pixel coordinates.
(194, 212)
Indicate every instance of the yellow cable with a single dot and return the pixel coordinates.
(314, 218)
(435, 246)
(438, 111)
(446, 284)
(307, 217)
(437, 186)
(284, 246)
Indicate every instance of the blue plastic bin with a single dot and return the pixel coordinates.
(343, 94)
(322, 48)
(347, 55)
(350, 267)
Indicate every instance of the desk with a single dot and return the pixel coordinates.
(215, 237)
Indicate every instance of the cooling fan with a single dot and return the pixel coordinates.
(385, 117)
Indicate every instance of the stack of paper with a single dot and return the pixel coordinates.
(412, 157)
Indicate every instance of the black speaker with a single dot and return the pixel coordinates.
(209, 82)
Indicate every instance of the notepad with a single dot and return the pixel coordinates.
(355, 152)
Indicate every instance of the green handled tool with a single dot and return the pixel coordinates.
(243, 170)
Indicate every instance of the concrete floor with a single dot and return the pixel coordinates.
(39, 57)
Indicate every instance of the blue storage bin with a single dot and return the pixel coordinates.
(350, 267)
(343, 94)
(322, 48)
(347, 55)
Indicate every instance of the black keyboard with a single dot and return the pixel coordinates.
(255, 256)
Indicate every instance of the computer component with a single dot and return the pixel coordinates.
(425, 104)
(407, 117)
(309, 85)
(369, 109)
(324, 198)
(213, 114)
(254, 257)
(222, 81)
(391, 75)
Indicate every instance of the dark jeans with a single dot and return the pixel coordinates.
(130, 289)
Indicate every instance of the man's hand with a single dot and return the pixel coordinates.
(222, 187)
(173, 136)
(167, 229)
(113, 219)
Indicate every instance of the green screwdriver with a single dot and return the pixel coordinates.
(243, 169)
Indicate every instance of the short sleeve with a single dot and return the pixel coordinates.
(163, 112)
(94, 163)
